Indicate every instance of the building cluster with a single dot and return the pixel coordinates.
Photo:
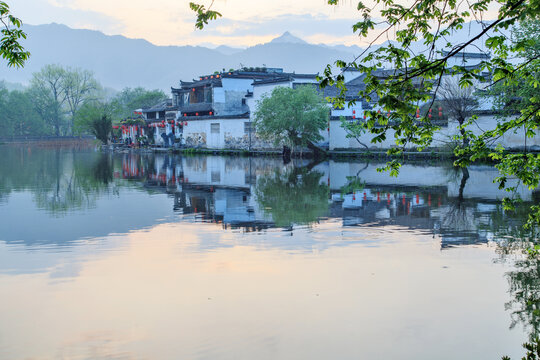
(217, 111)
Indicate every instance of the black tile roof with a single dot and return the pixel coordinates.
(216, 117)
(195, 107)
(161, 106)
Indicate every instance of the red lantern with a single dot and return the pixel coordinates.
(185, 114)
(196, 114)
(354, 111)
(193, 89)
(211, 113)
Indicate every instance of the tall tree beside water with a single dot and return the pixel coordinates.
(80, 88)
(292, 117)
(49, 96)
(58, 94)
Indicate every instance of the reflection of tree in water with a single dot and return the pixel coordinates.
(60, 179)
(459, 214)
(295, 196)
(75, 183)
(524, 285)
(524, 280)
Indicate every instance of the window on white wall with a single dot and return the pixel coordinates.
(214, 128)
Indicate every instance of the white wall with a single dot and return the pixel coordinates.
(201, 129)
(339, 140)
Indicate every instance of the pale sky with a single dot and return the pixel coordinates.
(171, 22)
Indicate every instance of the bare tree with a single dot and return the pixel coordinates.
(48, 95)
(80, 86)
(459, 102)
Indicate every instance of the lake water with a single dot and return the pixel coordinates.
(142, 256)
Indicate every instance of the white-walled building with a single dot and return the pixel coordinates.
(449, 127)
(213, 112)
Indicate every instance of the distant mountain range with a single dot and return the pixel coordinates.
(120, 62)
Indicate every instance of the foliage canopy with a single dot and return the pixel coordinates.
(10, 48)
(292, 117)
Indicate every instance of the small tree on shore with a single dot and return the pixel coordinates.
(459, 102)
(101, 127)
(292, 117)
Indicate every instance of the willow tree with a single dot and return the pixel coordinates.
(292, 117)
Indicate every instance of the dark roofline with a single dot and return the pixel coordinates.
(161, 106)
(305, 76)
(470, 55)
(214, 117)
(275, 80)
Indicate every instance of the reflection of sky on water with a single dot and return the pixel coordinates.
(155, 294)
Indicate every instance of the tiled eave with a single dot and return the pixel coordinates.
(214, 117)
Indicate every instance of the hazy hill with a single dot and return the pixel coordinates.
(119, 62)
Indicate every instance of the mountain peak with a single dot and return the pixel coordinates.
(289, 38)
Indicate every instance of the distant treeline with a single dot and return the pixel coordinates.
(62, 101)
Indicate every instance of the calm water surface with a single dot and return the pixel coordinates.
(133, 256)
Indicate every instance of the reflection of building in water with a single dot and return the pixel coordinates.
(224, 190)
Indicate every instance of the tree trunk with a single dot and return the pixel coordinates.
(462, 131)
(318, 152)
(286, 154)
(464, 178)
